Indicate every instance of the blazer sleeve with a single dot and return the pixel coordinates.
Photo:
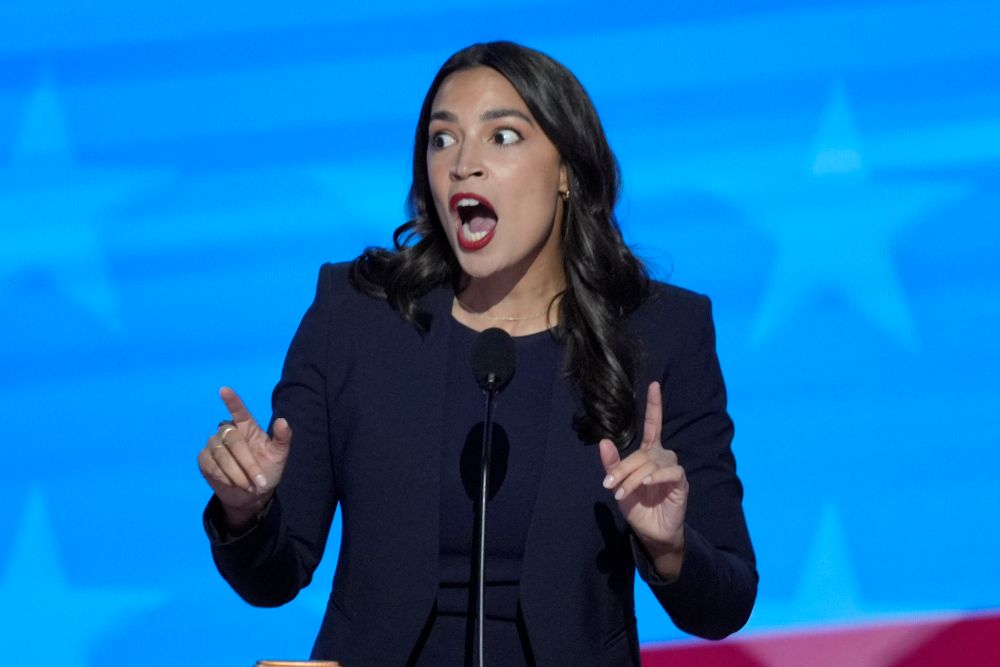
(268, 565)
(714, 592)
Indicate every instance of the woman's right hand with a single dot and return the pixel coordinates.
(242, 464)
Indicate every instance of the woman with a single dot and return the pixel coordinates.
(513, 226)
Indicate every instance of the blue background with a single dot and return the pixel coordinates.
(171, 178)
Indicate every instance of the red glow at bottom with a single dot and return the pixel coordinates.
(952, 641)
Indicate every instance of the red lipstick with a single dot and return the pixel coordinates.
(477, 220)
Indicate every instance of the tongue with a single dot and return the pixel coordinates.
(481, 224)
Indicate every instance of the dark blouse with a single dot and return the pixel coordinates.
(521, 415)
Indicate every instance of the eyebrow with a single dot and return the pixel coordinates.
(490, 114)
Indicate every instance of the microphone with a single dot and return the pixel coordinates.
(493, 359)
(493, 363)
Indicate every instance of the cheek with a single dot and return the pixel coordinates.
(539, 174)
(438, 178)
(540, 189)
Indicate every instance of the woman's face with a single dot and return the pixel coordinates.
(495, 177)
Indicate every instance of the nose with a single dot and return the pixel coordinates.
(467, 163)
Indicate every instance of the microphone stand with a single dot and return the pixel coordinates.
(493, 362)
(484, 485)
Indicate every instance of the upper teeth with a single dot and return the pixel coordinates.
(468, 201)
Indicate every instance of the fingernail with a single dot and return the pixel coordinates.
(647, 480)
(609, 481)
(619, 494)
(250, 489)
(261, 481)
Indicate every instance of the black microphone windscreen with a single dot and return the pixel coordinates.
(493, 359)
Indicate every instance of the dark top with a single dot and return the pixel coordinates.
(515, 469)
(362, 389)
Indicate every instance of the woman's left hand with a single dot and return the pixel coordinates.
(651, 489)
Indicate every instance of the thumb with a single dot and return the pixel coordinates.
(282, 438)
(609, 454)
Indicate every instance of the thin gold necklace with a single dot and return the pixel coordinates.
(502, 318)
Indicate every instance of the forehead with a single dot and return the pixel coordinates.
(476, 90)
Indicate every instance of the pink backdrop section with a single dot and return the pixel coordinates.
(970, 640)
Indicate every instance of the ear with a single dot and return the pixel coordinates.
(563, 177)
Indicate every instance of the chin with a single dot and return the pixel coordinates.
(477, 269)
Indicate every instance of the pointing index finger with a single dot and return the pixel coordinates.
(653, 422)
(241, 416)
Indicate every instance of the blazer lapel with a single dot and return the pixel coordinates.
(428, 424)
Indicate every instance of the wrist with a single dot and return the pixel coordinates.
(666, 557)
(239, 520)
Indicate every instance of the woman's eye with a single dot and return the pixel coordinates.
(442, 140)
(506, 136)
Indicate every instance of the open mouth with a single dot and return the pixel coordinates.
(478, 220)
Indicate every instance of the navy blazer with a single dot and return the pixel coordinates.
(362, 389)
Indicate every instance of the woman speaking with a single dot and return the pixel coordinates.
(611, 444)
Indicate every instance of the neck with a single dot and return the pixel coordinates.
(520, 307)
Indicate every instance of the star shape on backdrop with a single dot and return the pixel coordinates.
(828, 593)
(44, 615)
(51, 208)
(835, 227)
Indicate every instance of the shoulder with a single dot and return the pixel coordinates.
(672, 325)
(335, 281)
(340, 313)
(362, 313)
(335, 290)
(672, 307)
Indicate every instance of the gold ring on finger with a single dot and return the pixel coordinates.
(224, 432)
